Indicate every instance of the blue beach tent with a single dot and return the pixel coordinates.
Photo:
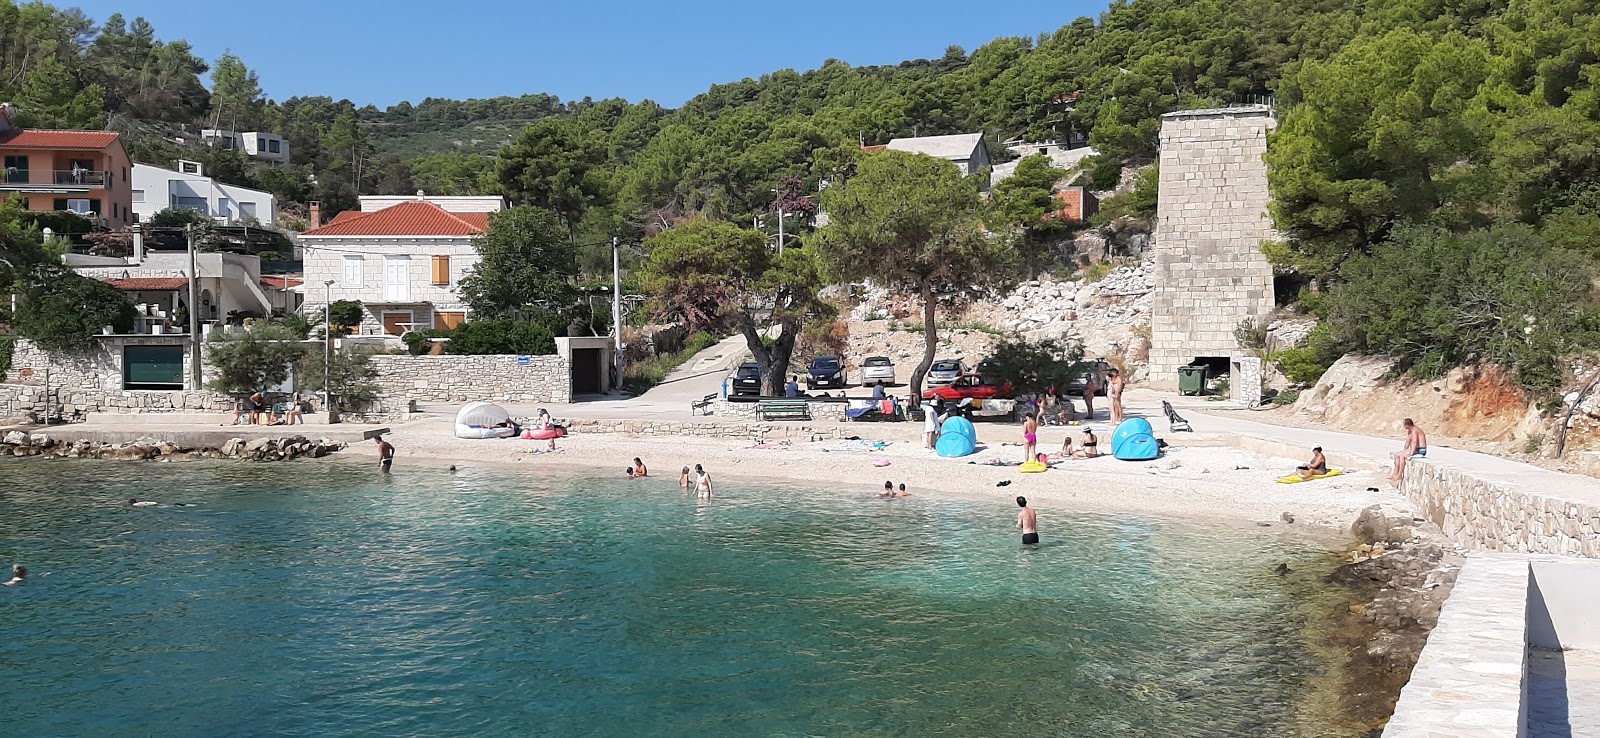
(957, 438)
(1135, 440)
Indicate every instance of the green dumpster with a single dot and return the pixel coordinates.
(1191, 379)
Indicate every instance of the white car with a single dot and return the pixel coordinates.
(943, 372)
(877, 370)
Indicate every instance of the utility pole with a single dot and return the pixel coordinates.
(616, 312)
(327, 345)
(194, 313)
(778, 202)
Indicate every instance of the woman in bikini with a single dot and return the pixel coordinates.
(1091, 445)
(1030, 435)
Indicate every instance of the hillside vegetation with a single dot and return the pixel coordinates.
(1435, 167)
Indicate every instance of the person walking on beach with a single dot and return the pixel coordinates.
(1028, 523)
(702, 483)
(385, 454)
(1416, 445)
(1114, 386)
(1030, 435)
(930, 423)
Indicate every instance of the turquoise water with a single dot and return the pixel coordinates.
(302, 599)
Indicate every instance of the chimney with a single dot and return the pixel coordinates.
(316, 215)
(138, 244)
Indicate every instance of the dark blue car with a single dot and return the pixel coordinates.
(825, 371)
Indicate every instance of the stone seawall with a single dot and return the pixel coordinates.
(91, 381)
(1495, 515)
(748, 431)
(491, 378)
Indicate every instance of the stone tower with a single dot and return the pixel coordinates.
(1211, 219)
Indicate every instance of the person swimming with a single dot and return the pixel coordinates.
(888, 489)
(638, 468)
(628, 471)
(19, 574)
(136, 502)
(903, 492)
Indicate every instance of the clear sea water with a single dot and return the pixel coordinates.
(322, 599)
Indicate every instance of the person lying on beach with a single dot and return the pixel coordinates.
(1317, 465)
(136, 502)
(638, 468)
(19, 574)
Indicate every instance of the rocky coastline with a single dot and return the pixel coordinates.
(284, 448)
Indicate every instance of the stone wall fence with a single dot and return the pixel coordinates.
(91, 381)
(456, 379)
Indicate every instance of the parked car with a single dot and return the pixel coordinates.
(988, 371)
(943, 372)
(1096, 369)
(877, 370)
(825, 371)
(747, 380)
(968, 385)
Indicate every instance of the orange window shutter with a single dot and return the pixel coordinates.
(441, 270)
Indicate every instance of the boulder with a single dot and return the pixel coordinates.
(1383, 524)
(16, 438)
(257, 445)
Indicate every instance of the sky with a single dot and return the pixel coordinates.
(372, 51)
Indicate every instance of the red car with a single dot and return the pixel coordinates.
(968, 385)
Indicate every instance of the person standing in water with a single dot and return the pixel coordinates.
(385, 454)
(1027, 522)
(683, 479)
(1030, 435)
(702, 482)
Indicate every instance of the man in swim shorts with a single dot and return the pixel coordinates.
(1027, 522)
(1416, 445)
(385, 454)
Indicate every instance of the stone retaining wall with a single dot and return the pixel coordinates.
(1497, 516)
(491, 378)
(820, 411)
(711, 429)
(91, 382)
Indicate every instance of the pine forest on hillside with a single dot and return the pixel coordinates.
(1436, 167)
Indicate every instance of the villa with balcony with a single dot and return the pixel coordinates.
(84, 172)
(267, 148)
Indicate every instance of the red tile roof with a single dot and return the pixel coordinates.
(149, 283)
(418, 218)
(32, 139)
(282, 283)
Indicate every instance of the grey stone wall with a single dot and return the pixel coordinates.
(1499, 516)
(752, 431)
(820, 411)
(496, 378)
(1211, 219)
(91, 382)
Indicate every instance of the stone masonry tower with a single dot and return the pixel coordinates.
(1211, 219)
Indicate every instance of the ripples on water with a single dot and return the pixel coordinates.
(306, 599)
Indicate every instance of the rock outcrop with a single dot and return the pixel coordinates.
(17, 443)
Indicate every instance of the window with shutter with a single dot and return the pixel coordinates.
(441, 270)
(353, 271)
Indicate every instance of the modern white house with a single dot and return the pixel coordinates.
(269, 148)
(157, 282)
(156, 189)
(402, 257)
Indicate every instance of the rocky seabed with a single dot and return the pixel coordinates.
(19, 444)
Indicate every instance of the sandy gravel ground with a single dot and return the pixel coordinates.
(1215, 484)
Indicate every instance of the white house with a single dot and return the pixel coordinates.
(157, 282)
(402, 257)
(260, 146)
(967, 150)
(156, 189)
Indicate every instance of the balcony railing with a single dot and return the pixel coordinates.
(57, 178)
(80, 177)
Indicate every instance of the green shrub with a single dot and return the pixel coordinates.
(1286, 398)
(1300, 364)
(501, 337)
(59, 309)
(256, 359)
(643, 375)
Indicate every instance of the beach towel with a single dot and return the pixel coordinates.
(1295, 478)
(858, 446)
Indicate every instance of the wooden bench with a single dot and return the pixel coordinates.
(703, 403)
(782, 410)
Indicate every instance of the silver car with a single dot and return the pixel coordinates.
(877, 370)
(943, 372)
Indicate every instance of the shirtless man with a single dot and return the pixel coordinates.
(1114, 385)
(1027, 522)
(1030, 436)
(385, 454)
(702, 482)
(1317, 465)
(1416, 445)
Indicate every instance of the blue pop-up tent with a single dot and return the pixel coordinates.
(1135, 440)
(957, 438)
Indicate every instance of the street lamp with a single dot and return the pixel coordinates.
(327, 345)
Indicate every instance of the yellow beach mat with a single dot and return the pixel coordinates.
(1031, 467)
(1294, 478)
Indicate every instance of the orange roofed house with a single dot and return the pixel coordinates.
(402, 257)
(85, 172)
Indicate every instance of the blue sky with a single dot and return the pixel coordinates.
(384, 52)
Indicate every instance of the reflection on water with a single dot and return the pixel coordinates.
(304, 599)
